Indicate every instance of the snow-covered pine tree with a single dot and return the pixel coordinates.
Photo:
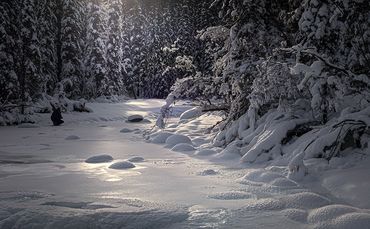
(333, 54)
(96, 38)
(114, 47)
(29, 58)
(8, 44)
(70, 51)
(136, 49)
(47, 24)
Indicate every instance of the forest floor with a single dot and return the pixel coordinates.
(46, 183)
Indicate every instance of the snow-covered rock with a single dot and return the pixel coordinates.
(105, 158)
(122, 165)
(190, 114)
(177, 139)
(136, 159)
(183, 147)
(160, 137)
(135, 118)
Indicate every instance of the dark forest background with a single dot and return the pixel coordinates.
(249, 56)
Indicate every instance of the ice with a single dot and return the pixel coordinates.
(105, 158)
(78, 205)
(183, 147)
(72, 137)
(136, 159)
(175, 139)
(122, 165)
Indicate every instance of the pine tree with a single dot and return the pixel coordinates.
(8, 42)
(96, 38)
(70, 52)
(114, 47)
(48, 44)
(29, 57)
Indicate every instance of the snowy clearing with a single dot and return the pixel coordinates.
(48, 181)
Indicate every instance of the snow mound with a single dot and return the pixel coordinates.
(267, 204)
(190, 114)
(177, 139)
(298, 215)
(72, 137)
(136, 159)
(122, 165)
(135, 118)
(283, 182)
(183, 147)
(99, 159)
(229, 153)
(262, 176)
(126, 130)
(305, 200)
(205, 152)
(200, 141)
(233, 195)
(330, 212)
(347, 221)
(160, 138)
(208, 172)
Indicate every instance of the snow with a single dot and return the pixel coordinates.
(161, 137)
(173, 140)
(99, 159)
(122, 165)
(208, 172)
(191, 113)
(48, 182)
(205, 152)
(183, 147)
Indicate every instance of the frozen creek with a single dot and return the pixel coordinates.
(45, 181)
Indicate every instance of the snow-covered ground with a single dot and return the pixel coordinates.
(99, 171)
